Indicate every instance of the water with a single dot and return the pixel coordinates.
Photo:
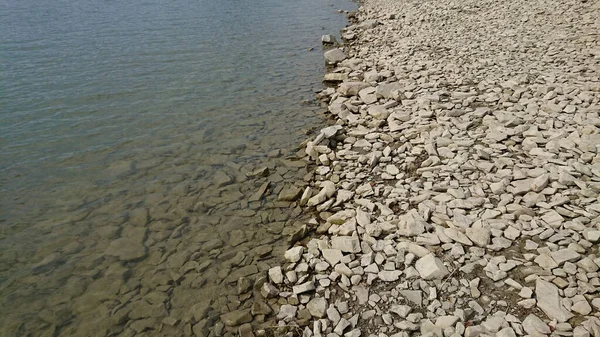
(115, 120)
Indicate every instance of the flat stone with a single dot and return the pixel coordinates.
(548, 300)
(290, 193)
(304, 287)
(362, 294)
(317, 307)
(332, 256)
(564, 255)
(126, 249)
(287, 311)
(545, 261)
(389, 275)
(334, 55)
(533, 325)
(351, 88)
(446, 321)
(237, 317)
(414, 296)
(582, 307)
(346, 244)
(480, 236)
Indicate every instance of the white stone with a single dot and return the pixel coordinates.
(346, 244)
(275, 275)
(430, 267)
(548, 300)
(294, 254)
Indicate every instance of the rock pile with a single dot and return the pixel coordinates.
(458, 191)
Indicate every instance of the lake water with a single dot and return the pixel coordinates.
(129, 132)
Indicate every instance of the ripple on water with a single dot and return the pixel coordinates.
(119, 121)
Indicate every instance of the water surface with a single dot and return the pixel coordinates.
(118, 119)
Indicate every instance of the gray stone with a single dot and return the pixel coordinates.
(346, 244)
(304, 287)
(548, 300)
(237, 317)
(430, 267)
(126, 249)
(328, 39)
(351, 88)
(564, 255)
(317, 307)
(533, 325)
(276, 275)
(334, 55)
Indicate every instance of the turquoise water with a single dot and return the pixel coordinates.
(110, 107)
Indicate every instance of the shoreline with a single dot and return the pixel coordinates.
(454, 195)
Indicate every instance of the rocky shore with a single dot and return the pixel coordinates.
(457, 191)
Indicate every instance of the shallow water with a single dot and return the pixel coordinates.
(118, 121)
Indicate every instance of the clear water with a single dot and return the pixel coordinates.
(111, 108)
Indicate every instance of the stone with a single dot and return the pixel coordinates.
(287, 311)
(389, 275)
(506, 332)
(328, 39)
(430, 267)
(346, 244)
(351, 88)
(563, 255)
(237, 317)
(548, 300)
(332, 256)
(303, 288)
(533, 325)
(582, 307)
(294, 254)
(334, 55)
(222, 179)
(276, 275)
(290, 193)
(245, 330)
(480, 236)
(317, 307)
(126, 249)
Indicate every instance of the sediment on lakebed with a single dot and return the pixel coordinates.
(457, 193)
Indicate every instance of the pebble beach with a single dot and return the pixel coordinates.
(456, 190)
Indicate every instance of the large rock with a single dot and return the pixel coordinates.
(126, 249)
(430, 267)
(334, 55)
(236, 317)
(352, 88)
(548, 300)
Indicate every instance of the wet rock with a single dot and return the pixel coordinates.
(126, 249)
(237, 317)
(290, 193)
(328, 39)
